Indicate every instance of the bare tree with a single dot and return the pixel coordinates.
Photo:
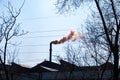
(9, 29)
(107, 21)
(73, 54)
(85, 54)
(98, 49)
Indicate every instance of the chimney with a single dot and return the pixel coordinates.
(72, 35)
(50, 57)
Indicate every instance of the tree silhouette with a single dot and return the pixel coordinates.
(9, 29)
(107, 21)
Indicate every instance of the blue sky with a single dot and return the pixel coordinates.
(40, 18)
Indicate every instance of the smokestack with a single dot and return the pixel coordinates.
(72, 35)
(50, 57)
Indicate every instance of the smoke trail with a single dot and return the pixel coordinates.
(73, 35)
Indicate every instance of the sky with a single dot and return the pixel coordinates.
(44, 24)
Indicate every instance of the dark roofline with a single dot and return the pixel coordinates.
(17, 68)
(2, 68)
(67, 66)
(47, 64)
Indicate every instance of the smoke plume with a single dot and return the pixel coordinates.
(73, 35)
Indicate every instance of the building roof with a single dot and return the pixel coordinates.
(19, 68)
(107, 65)
(89, 68)
(66, 66)
(46, 66)
(2, 68)
(69, 66)
(39, 69)
(50, 65)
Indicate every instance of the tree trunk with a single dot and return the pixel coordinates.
(5, 69)
(116, 64)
